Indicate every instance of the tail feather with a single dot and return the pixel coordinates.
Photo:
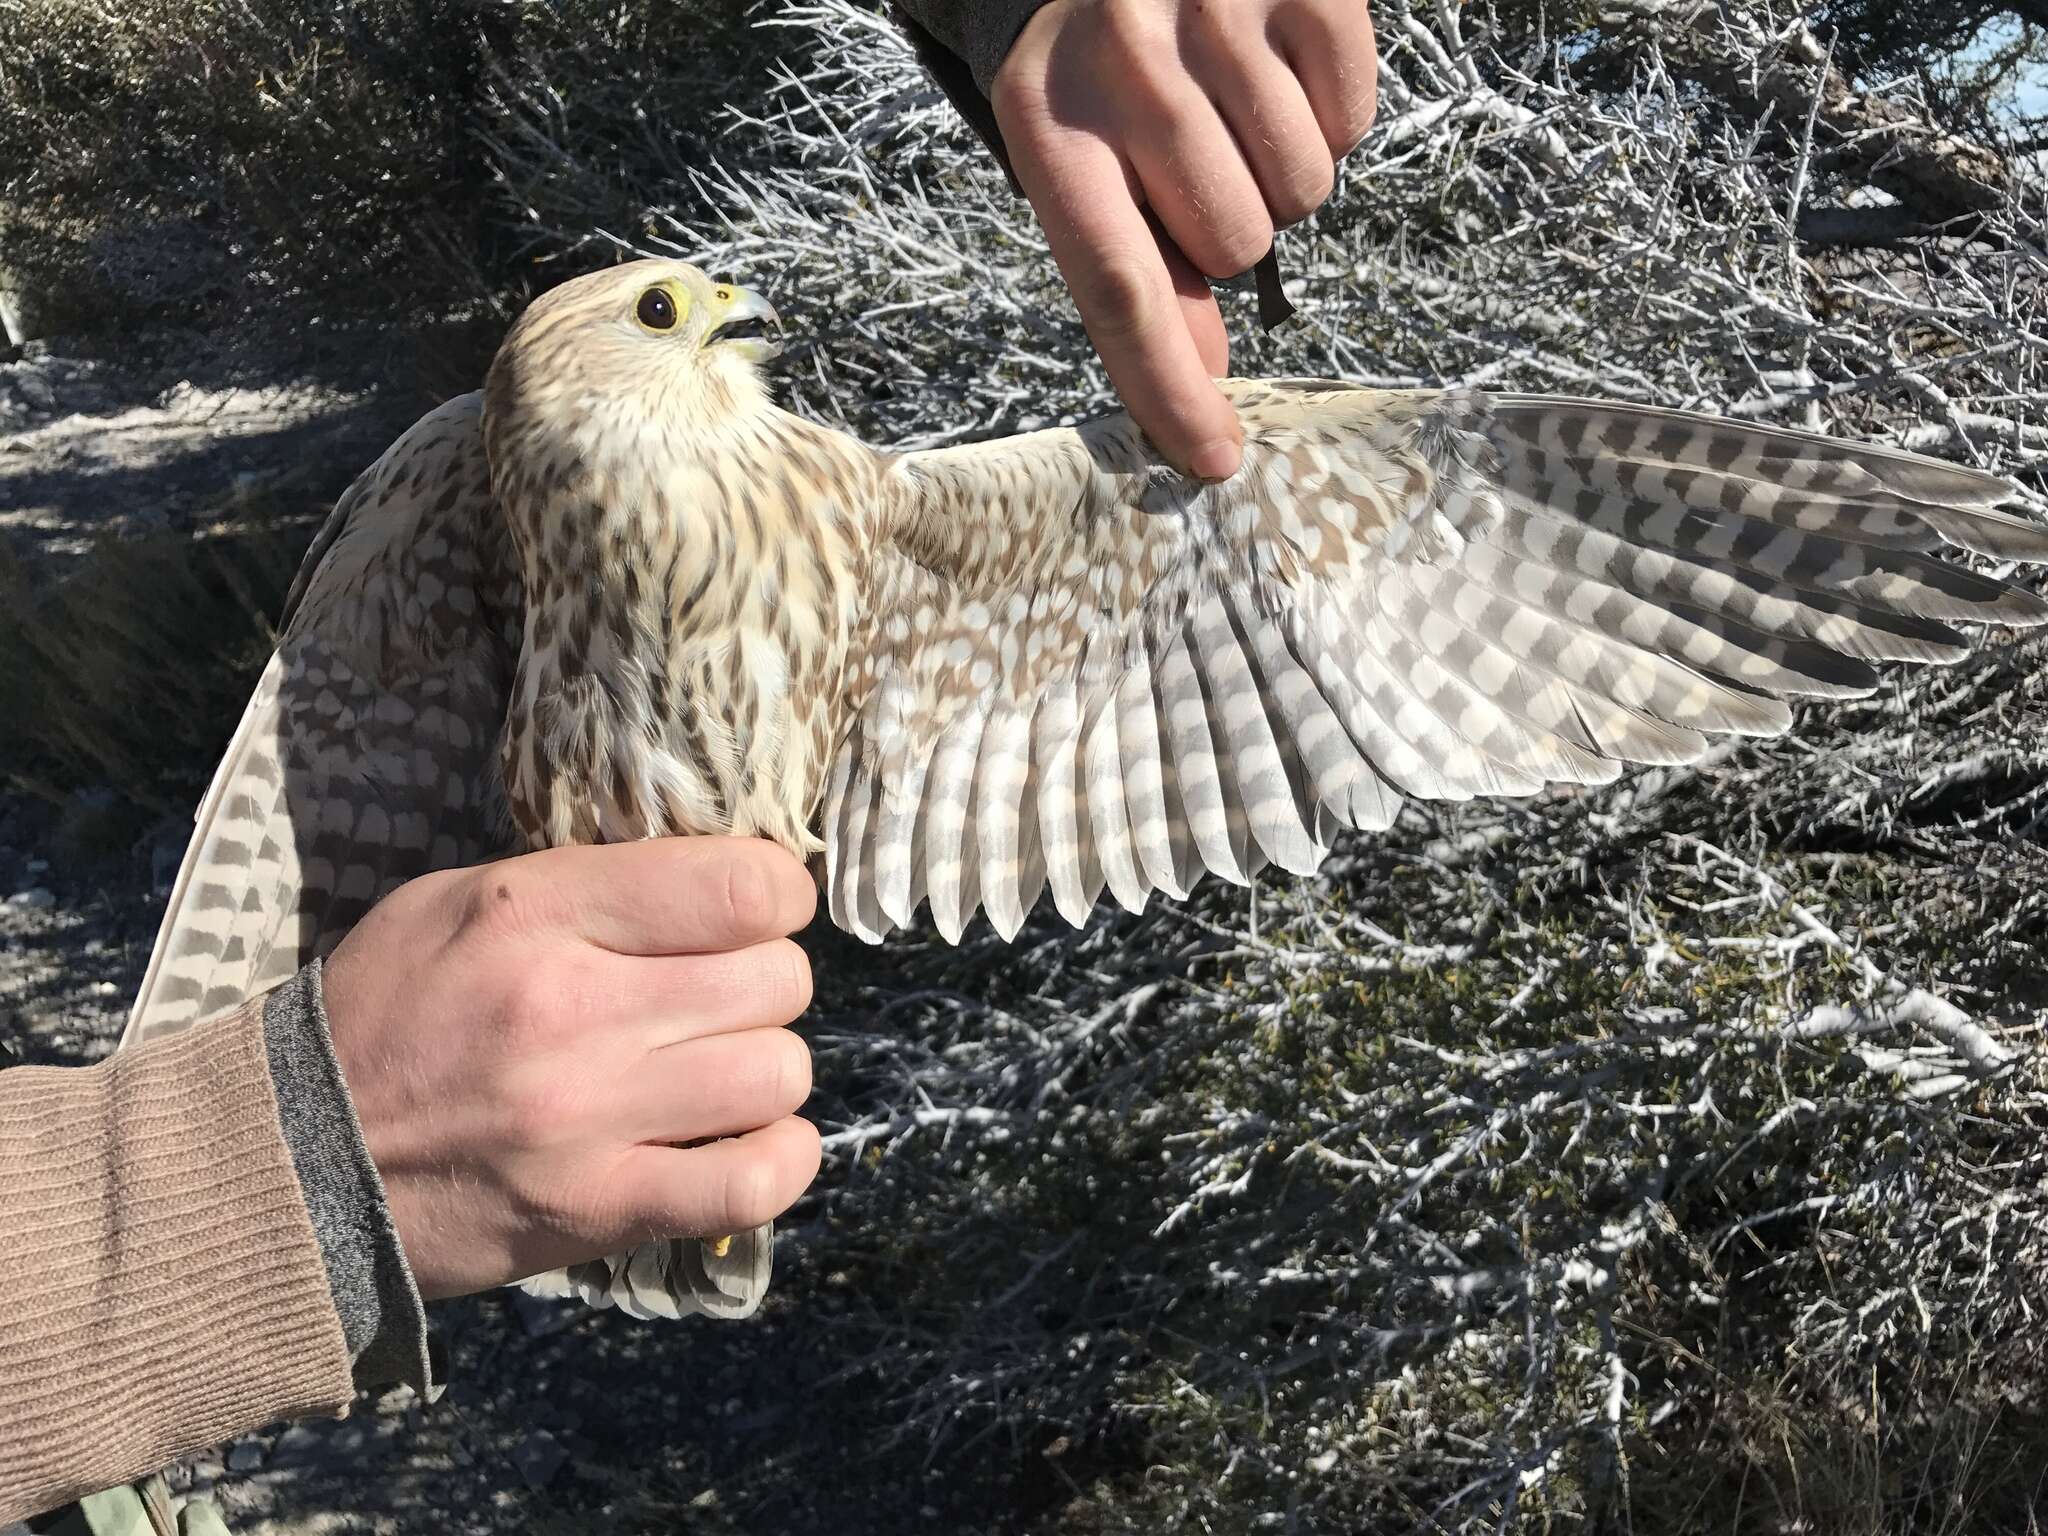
(672, 1278)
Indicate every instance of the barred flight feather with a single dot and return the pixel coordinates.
(367, 754)
(1409, 594)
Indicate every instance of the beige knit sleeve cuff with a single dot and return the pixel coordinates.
(163, 1286)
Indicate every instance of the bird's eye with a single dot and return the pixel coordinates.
(657, 310)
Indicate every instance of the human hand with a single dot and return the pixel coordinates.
(1161, 140)
(526, 1041)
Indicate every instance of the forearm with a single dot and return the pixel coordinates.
(165, 1287)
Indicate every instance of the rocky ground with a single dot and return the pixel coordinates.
(88, 447)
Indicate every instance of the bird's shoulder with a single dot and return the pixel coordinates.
(415, 552)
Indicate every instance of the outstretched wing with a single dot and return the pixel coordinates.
(1083, 670)
(369, 752)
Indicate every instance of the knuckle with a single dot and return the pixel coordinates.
(793, 1076)
(773, 1077)
(806, 1153)
(1115, 296)
(803, 889)
(1355, 117)
(793, 983)
(1307, 187)
(748, 896)
(1152, 83)
(753, 1191)
(563, 1205)
(1133, 29)
(1239, 244)
(536, 1109)
(570, 996)
(540, 1005)
(584, 1207)
(763, 984)
(1020, 97)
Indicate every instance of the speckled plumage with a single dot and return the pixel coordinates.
(621, 595)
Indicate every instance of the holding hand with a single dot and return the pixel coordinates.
(1164, 140)
(526, 1042)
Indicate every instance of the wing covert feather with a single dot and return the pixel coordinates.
(1436, 594)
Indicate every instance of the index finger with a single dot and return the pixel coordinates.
(669, 896)
(1130, 304)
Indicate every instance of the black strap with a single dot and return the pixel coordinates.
(1275, 308)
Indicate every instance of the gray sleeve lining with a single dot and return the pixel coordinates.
(977, 32)
(382, 1318)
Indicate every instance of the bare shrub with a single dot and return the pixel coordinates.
(265, 166)
(1667, 1154)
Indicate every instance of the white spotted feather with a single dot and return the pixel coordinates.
(368, 752)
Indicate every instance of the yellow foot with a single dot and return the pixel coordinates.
(720, 1246)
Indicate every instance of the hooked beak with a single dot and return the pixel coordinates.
(748, 324)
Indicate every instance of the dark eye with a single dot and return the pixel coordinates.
(657, 311)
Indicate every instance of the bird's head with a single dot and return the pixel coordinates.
(645, 356)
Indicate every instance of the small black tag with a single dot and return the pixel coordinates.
(1275, 308)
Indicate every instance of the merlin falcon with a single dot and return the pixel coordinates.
(620, 594)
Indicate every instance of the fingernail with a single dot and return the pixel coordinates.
(1216, 460)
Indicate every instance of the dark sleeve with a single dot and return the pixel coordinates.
(382, 1319)
(929, 24)
(975, 34)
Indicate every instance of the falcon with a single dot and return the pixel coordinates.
(620, 594)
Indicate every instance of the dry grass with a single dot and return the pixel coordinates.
(121, 681)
